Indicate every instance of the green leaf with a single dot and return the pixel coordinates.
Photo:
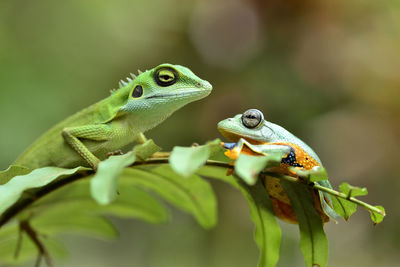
(12, 191)
(316, 174)
(215, 147)
(313, 241)
(217, 151)
(319, 176)
(145, 150)
(377, 217)
(56, 221)
(130, 203)
(343, 207)
(8, 244)
(267, 231)
(135, 203)
(104, 184)
(219, 174)
(248, 167)
(12, 171)
(186, 160)
(352, 191)
(193, 194)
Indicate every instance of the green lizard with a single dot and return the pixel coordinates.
(138, 105)
(253, 135)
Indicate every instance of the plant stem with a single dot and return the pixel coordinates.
(33, 235)
(162, 158)
(327, 190)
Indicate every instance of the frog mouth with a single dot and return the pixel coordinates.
(234, 137)
(231, 136)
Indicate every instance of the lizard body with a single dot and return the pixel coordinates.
(255, 136)
(138, 105)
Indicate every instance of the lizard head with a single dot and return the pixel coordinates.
(250, 125)
(164, 89)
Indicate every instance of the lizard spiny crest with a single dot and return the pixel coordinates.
(123, 83)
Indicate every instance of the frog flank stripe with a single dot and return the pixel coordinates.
(291, 159)
(297, 157)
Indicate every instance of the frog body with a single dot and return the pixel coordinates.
(255, 136)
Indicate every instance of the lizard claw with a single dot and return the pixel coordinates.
(115, 153)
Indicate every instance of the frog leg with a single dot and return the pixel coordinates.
(236, 148)
(264, 149)
(242, 145)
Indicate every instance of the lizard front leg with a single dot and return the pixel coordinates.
(141, 139)
(95, 132)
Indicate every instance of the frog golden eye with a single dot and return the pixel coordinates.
(165, 76)
(252, 118)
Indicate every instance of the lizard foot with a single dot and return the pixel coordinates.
(115, 153)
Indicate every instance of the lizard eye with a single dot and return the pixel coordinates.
(137, 92)
(252, 118)
(165, 77)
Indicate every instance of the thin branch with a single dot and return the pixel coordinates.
(19, 244)
(162, 158)
(43, 191)
(327, 190)
(27, 228)
(351, 199)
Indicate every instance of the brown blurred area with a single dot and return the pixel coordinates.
(325, 70)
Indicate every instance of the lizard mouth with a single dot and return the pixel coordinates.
(182, 94)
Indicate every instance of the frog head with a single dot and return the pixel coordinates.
(250, 125)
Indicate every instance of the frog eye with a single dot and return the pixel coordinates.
(165, 76)
(252, 118)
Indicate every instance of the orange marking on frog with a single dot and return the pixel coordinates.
(280, 201)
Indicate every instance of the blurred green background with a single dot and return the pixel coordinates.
(325, 70)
